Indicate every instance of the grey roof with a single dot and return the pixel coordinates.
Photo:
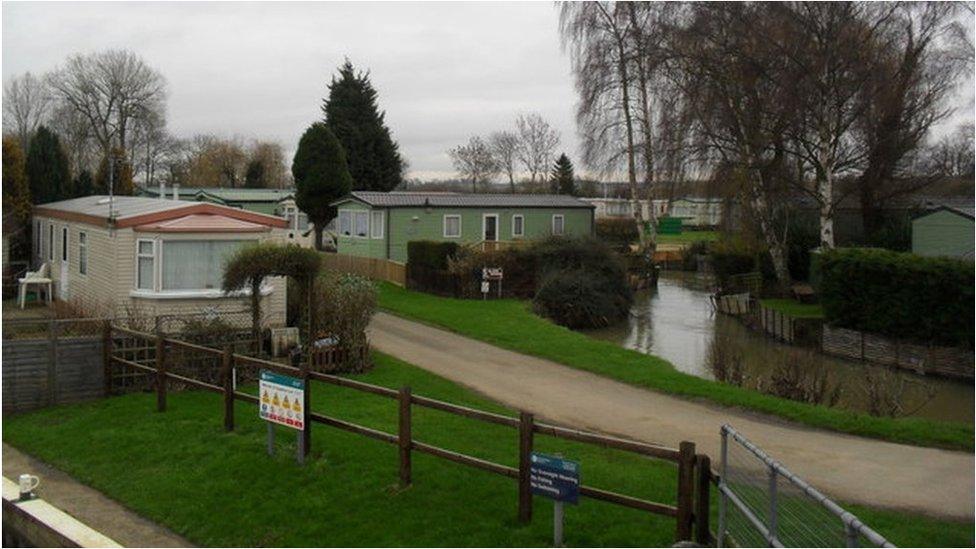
(233, 195)
(123, 206)
(462, 200)
(965, 211)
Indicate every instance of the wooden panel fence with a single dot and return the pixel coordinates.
(690, 512)
(371, 267)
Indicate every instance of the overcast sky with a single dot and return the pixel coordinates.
(444, 71)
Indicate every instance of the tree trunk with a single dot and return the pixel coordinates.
(777, 248)
(318, 235)
(825, 194)
(648, 148)
(256, 314)
(511, 181)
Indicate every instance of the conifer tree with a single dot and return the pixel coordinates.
(562, 180)
(48, 174)
(321, 176)
(352, 113)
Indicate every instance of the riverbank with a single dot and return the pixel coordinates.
(511, 324)
(234, 495)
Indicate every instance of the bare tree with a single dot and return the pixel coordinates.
(474, 162)
(110, 89)
(951, 156)
(828, 51)
(216, 162)
(598, 36)
(505, 147)
(26, 103)
(537, 144)
(740, 106)
(75, 134)
(904, 98)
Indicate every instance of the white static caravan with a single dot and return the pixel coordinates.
(151, 256)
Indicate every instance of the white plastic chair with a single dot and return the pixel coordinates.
(41, 278)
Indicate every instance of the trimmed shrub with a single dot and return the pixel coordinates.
(901, 295)
(576, 298)
(582, 282)
(618, 231)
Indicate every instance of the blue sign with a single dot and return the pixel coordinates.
(554, 477)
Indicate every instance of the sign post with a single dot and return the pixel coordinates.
(487, 275)
(282, 402)
(557, 479)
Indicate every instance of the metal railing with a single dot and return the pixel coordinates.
(762, 503)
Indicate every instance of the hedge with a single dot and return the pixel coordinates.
(901, 295)
(430, 254)
(617, 230)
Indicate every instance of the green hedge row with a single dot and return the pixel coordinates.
(430, 254)
(901, 295)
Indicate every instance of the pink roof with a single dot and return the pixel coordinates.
(203, 223)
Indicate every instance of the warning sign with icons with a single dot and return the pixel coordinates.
(282, 398)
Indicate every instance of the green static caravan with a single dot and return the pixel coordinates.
(379, 225)
(944, 231)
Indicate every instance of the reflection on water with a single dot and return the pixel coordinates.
(676, 322)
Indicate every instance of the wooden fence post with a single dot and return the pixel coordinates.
(160, 373)
(405, 438)
(686, 490)
(226, 370)
(307, 404)
(703, 534)
(52, 362)
(525, 455)
(107, 356)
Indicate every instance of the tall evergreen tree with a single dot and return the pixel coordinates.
(48, 174)
(351, 112)
(16, 195)
(321, 176)
(254, 176)
(83, 185)
(563, 180)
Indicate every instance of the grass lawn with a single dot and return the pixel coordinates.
(180, 469)
(512, 325)
(794, 308)
(687, 237)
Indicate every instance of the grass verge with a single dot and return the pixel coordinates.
(512, 325)
(687, 237)
(180, 469)
(794, 308)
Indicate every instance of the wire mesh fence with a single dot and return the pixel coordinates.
(762, 503)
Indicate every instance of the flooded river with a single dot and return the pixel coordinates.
(676, 322)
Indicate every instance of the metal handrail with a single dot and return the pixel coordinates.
(852, 525)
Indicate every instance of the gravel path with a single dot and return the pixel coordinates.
(860, 470)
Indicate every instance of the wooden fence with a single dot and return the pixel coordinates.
(371, 267)
(694, 474)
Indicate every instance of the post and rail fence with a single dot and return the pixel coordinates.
(763, 504)
(129, 353)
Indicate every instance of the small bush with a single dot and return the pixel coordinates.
(689, 256)
(732, 257)
(901, 295)
(344, 305)
(575, 298)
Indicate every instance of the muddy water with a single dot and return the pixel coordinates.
(677, 323)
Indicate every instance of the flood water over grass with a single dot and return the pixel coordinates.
(677, 323)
